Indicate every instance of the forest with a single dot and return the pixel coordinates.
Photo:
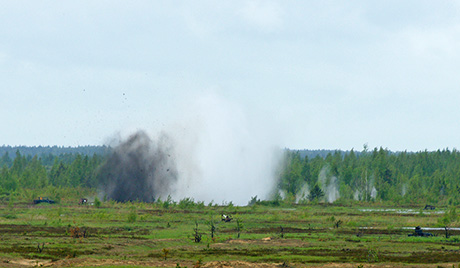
(373, 176)
(378, 175)
(329, 209)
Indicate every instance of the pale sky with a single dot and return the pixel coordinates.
(321, 74)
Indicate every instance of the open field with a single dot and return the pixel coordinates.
(154, 235)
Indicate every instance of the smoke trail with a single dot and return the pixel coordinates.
(138, 169)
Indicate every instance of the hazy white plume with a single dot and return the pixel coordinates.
(214, 152)
(329, 185)
(303, 193)
(367, 189)
(403, 190)
(373, 192)
(222, 154)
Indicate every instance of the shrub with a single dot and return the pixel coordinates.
(97, 202)
(168, 202)
(77, 232)
(132, 216)
(186, 203)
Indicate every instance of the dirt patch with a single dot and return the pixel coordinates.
(30, 230)
(25, 263)
(267, 241)
(239, 241)
(49, 231)
(242, 264)
(286, 230)
(85, 262)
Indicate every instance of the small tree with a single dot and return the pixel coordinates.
(239, 226)
(197, 235)
(253, 201)
(132, 216)
(213, 228)
(447, 229)
(168, 202)
(337, 223)
(316, 193)
(40, 249)
(165, 253)
(97, 202)
(277, 199)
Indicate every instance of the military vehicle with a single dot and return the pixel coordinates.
(226, 218)
(43, 200)
(419, 232)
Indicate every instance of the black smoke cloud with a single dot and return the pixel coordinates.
(139, 169)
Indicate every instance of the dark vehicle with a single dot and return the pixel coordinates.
(43, 200)
(430, 207)
(419, 232)
(226, 218)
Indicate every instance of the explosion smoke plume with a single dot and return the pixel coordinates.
(214, 152)
(138, 169)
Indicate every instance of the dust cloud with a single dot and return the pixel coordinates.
(214, 152)
(138, 169)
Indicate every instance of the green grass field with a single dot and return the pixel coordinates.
(150, 235)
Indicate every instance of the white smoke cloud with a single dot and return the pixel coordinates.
(329, 185)
(303, 193)
(367, 190)
(222, 154)
(332, 190)
(373, 192)
(404, 190)
(358, 195)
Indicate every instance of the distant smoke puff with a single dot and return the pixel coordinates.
(329, 185)
(139, 169)
(303, 194)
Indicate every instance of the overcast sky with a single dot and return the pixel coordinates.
(322, 74)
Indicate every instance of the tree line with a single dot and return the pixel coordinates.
(377, 175)
(42, 151)
(34, 172)
(342, 176)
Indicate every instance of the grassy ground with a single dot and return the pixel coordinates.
(139, 234)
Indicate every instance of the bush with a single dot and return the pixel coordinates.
(253, 201)
(186, 203)
(97, 202)
(168, 202)
(132, 216)
(77, 232)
